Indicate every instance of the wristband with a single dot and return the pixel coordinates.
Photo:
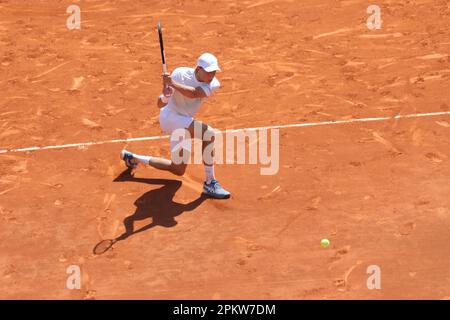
(164, 99)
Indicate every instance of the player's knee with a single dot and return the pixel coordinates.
(179, 170)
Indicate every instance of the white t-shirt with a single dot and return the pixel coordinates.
(185, 105)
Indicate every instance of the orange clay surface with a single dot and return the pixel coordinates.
(379, 191)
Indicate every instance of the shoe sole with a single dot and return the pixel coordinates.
(215, 196)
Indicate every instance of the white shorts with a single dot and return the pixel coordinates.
(170, 121)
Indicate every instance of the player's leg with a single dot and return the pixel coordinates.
(202, 131)
(169, 121)
(211, 186)
(132, 160)
(180, 150)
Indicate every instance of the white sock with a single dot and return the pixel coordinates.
(209, 171)
(142, 159)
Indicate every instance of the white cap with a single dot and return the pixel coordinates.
(208, 62)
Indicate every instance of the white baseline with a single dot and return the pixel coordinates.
(296, 125)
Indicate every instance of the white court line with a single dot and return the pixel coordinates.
(297, 125)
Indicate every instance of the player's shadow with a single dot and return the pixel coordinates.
(157, 204)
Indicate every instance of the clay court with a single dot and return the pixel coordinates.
(378, 190)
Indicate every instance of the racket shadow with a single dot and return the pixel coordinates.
(156, 204)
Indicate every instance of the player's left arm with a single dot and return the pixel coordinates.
(163, 99)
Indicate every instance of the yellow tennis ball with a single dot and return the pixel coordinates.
(325, 243)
